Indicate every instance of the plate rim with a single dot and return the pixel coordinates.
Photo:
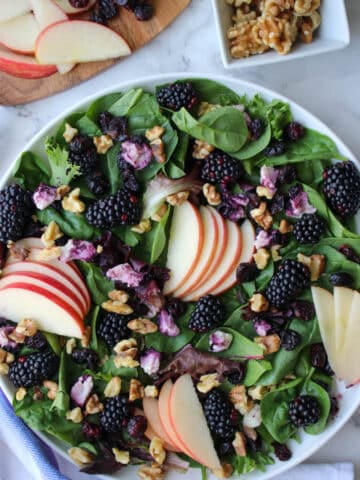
(236, 84)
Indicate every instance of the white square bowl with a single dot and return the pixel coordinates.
(333, 34)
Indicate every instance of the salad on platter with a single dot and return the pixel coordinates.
(179, 281)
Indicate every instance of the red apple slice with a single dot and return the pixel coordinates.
(51, 313)
(66, 6)
(343, 298)
(247, 249)
(164, 413)
(151, 410)
(207, 253)
(13, 8)
(229, 262)
(23, 66)
(44, 271)
(189, 423)
(47, 12)
(185, 245)
(70, 41)
(19, 34)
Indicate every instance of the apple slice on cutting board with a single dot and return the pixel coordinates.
(185, 244)
(74, 41)
(23, 66)
(66, 7)
(13, 8)
(20, 33)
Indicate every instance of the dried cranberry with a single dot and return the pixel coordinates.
(256, 128)
(97, 183)
(275, 149)
(107, 9)
(60, 242)
(97, 17)
(287, 174)
(91, 431)
(37, 341)
(277, 204)
(294, 131)
(79, 3)
(236, 377)
(289, 339)
(246, 272)
(282, 451)
(295, 190)
(33, 229)
(341, 279)
(137, 426)
(85, 356)
(303, 309)
(176, 307)
(318, 355)
(143, 12)
(225, 448)
(349, 253)
(254, 445)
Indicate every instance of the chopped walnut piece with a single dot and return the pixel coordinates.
(121, 456)
(265, 192)
(69, 132)
(117, 307)
(275, 7)
(285, 227)
(70, 345)
(62, 191)
(262, 216)
(239, 444)
(202, 149)
(279, 32)
(212, 196)
(225, 471)
(261, 258)
(20, 394)
(316, 264)
(75, 415)
(151, 391)
(238, 397)
(3, 354)
(142, 227)
(103, 143)
(4, 368)
(269, 343)
(48, 254)
(93, 405)
(157, 216)
(142, 326)
(51, 234)
(118, 296)
(158, 150)
(136, 390)
(259, 303)
(275, 253)
(85, 339)
(154, 133)
(151, 472)
(257, 392)
(208, 382)
(26, 327)
(178, 198)
(52, 388)
(81, 456)
(245, 39)
(72, 202)
(126, 362)
(157, 450)
(124, 346)
(113, 387)
(126, 351)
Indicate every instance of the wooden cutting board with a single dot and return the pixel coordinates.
(14, 91)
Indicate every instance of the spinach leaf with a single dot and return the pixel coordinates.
(126, 235)
(88, 126)
(126, 102)
(224, 127)
(160, 238)
(251, 149)
(62, 399)
(276, 113)
(72, 121)
(165, 344)
(53, 341)
(323, 399)
(175, 168)
(265, 276)
(31, 170)
(214, 92)
(252, 461)
(73, 225)
(102, 104)
(111, 168)
(241, 346)
(254, 370)
(333, 224)
(110, 370)
(236, 322)
(96, 282)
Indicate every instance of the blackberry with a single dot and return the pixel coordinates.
(277, 204)
(91, 431)
(128, 176)
(107, 9)
(143, 12)
(208, 314)
(123, 208)
(177, 95)
(15, 208)
(115, 127)
(85, 356)
(282, 451)
(97, 183)
(112, 328)
(246, 272)
(256, 128)
(341, 279)
(303, 309)
(176, 307)
(275, 149)
(309, 228)
(33, 369)
(37, 341)
(116, 413)
(236, 377)
(304, 411)
(342, 188)
(217, 409)
(218, 167)
(294, 131)
(289, 339)
(82, 152)
(224, 449)
(287, 283)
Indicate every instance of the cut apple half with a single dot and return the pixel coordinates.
(52, 313)
(23, 66)
(188, 422)
(343, 298)
(13, 8)
(230, 260)
(185, 243)
(20, 33)
(151, 411)
(210, 243)
(66, 7)
(79, 41)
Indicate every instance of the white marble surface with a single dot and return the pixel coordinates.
(327, 85)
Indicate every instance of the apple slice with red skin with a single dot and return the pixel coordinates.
(50, 274)
(185, 244)
(66, 7)
(203, 263)
(19, 34)
(23, 66)
(13, 8)
(51, 313)
(69, 41)
(247, 249)
(229, 262)
(189, 423)
(151, 411)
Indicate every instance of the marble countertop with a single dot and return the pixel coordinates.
(327, 85)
